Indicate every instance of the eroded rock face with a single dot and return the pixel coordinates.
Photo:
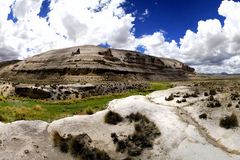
(92, 63)
(32, 92)
(72, 91)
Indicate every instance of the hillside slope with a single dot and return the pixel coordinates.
(94, 64)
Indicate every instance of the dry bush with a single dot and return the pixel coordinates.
(229, 122)
(79, 147)
(170, 97)
(112, 118)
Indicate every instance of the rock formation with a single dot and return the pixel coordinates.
(93, 64)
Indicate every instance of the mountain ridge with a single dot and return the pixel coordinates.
(89, 60)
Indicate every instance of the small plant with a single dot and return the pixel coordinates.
(143, 137)
(186, 95)
(2, 119)
(203, 116)
(184, 100)
(210, 98)
(79, 146)
(112, 118)
(235, 96)
(170, 97)
(212, 92)
(60, 142)
(89, 111)
(214, 104)
(206, 94)
(229, 122)
(37, 108)
(178, 101)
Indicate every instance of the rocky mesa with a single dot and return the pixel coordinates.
(90, 63)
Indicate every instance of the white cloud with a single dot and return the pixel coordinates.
(215, 47)
(144, 15)
(69, 22)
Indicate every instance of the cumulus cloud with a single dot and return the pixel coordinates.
(215, 47)
(69, 23)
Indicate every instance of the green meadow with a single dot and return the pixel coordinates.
(16, 108)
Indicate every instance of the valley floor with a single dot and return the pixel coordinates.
(185, 135)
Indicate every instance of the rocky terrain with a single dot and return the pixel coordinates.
(191, 122)
(92, 64)
(85, 71)
(67, 91)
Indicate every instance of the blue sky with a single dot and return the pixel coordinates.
(173, 16)
(202, 33)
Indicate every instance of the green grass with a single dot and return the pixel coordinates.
(16, 108)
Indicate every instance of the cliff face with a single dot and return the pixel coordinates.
(92, 63)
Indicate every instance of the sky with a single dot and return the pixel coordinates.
(204, 34)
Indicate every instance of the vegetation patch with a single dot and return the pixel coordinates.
(212, 92)
(2, 119)
(143, 137)
(112, 118)
(79, 147)
(12, 108)
(235, 96)
(229, 122)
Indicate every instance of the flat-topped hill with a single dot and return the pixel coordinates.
(93, 64)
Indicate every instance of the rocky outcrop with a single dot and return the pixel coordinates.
(74, 91)
(31, 92)
(92, 63)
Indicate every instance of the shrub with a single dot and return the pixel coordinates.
(112, 118)
(170, 97)
(184, 100)
(178, 101)
(60, 142)
(137, 117)
(186, 95)
(121, 146)
(210, 98)
(203, 116)
(79, 146)
(212, 92)
(114, 138)
(2, 119)
(20, 116)
(234, 96)
(89, 111)
(215, 103)
(143, 136)
(229, 122)
(37, 108)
